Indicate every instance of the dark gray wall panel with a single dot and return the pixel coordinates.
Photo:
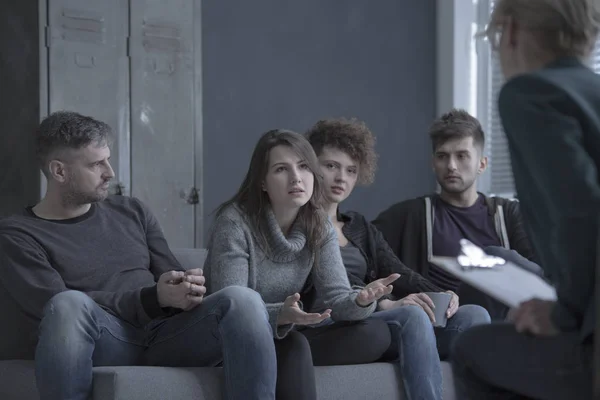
(287, 63)
(19, 104)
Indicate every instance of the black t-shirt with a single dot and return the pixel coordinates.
(354, 261)
(453, 223)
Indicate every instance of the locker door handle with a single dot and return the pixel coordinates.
(120, 189)
(193, 197)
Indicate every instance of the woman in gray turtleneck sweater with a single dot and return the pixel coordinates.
(271, 237)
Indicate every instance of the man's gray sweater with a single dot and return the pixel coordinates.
(114, 253)
(235, 258)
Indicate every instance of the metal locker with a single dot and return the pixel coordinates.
(163, 104)
(88, 68)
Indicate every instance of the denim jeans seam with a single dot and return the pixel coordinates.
(401, 362)
(210, 313)
(119, 337)
(459, 330)
(103, 323)
(225, 354)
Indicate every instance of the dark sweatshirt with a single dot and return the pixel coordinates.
(114, 253)
(381, 260)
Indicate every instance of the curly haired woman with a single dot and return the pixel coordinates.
(347, 157)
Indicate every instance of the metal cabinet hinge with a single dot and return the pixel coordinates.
(120, 189)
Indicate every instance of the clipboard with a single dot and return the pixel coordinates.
(509, 284)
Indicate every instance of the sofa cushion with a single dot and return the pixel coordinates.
(449, 393)
(17, 380)
(365, 380)
(349, 382)
(156, 383)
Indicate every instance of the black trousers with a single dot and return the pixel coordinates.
(495, 362)
(340, 344)
(470, 295)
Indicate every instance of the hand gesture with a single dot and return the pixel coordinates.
(291, 313)
(375, 290)
(183, 290)
(533, 317)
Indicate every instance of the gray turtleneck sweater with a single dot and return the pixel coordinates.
(235, 258)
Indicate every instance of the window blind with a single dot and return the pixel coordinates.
(501, 177)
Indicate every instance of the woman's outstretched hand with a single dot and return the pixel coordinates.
(291, 313)
(375, 290)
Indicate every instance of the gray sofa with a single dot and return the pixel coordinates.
(352, 382)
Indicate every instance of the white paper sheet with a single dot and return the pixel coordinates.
(509, 284)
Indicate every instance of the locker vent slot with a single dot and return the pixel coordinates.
(162, 38)
(83, 26)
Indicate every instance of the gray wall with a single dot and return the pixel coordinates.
(19, 104)
(287, 63)
(267, 64)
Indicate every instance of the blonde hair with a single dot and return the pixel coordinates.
(563, 27)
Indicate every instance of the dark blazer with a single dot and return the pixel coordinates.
(552, 121)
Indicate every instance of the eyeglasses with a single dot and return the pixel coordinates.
(493, 34)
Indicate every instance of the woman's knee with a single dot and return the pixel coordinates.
(294, 341)
(242, 301)
(412, 314)
(241, 294)
(471, 315)
(293, 347)
(372, 335)
(413, 322)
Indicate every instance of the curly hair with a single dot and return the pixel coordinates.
(351, 136)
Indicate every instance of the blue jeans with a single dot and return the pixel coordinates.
(230, 326)
(417, 346)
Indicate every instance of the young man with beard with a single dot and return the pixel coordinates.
(433, 225)
(88, 279)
